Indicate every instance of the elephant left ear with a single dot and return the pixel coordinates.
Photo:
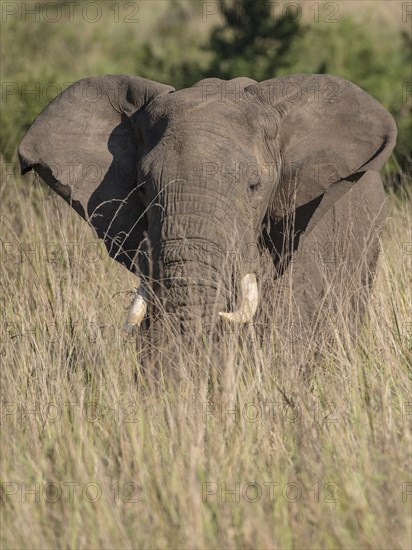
(320, 129)
(85, 145)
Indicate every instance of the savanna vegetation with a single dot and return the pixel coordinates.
(228, 446)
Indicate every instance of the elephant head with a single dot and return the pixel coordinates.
(180, 184)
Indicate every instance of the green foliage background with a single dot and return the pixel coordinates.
(176, 43)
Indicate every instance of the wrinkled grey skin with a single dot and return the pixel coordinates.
(178, 183)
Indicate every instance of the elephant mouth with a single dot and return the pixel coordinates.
(248, 303)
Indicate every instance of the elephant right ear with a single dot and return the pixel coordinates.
(85, 146)
(319, 130)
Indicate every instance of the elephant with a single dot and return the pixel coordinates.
(202, 192)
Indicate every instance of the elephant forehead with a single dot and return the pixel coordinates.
(195, 106)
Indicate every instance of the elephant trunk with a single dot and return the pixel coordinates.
(196, 260)
(200, 284)
(193, 285)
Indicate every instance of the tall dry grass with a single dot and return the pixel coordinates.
(226, 448)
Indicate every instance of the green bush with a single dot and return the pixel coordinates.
(252, 42)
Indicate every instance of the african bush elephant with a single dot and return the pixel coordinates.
(198, 190)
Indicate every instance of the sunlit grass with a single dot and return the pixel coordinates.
(329, 454)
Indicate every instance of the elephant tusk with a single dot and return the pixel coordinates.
(249, 301)
(137, 310)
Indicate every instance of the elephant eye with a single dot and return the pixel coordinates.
(253, 185)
